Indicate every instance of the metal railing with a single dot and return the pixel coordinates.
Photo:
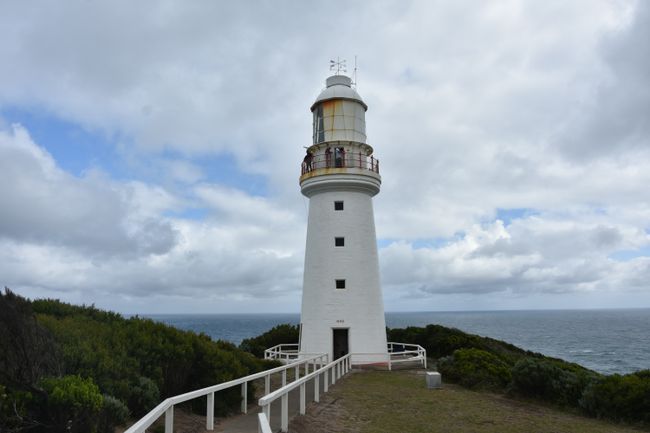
(282, 352)
(346, 160)
(331, 372)
(167, 406)
(404, 352)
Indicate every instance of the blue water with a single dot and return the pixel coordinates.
(608, 341)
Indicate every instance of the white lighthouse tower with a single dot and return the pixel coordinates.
(342, 306)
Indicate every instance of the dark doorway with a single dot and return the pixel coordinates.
(340, 343)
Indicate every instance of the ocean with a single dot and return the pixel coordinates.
(608, 341)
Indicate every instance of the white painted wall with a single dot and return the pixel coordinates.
(359, 307)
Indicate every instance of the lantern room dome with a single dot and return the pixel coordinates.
(338, 87)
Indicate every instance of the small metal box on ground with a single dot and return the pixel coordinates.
(434, 380)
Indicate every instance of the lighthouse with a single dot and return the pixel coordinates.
(342, 306)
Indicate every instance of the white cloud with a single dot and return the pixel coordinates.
(69, 235)
(44, 204)
(474, 108)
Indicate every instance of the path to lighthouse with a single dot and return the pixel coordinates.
(247, 423)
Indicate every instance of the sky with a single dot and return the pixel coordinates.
(150, 151)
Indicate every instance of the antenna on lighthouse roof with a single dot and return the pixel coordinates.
(338, 65)
(354, 74)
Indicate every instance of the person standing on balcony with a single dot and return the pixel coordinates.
(328, 157)
(339, 157)
(307, 161)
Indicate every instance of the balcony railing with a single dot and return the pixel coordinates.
(343, 160)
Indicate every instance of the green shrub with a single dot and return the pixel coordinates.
(619, 397)
(114, 413)
(72, 403)
(144, 396)
(440, 341)
(280, 334)
(549, 380)
(475, 368)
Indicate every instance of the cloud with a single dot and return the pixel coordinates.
(44, 204)
(65, 235)
(532, 255)
(473, 110)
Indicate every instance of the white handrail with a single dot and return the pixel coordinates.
(167, 406)
(337, 368)
(264, 426)
(419, 352)
(282, 351)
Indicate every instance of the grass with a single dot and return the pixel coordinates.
(377, 401)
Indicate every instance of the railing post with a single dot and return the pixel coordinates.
(326, 381)
(244, 397)
(267, 411)
(284, 424)
(306, 368)
(209, 417)
(169, 420)
(334, 374)
(316, 390)
(267, 384)
(296, 372)
(284, 377)
(302, 399)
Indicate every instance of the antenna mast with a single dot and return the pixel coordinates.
(354, 74)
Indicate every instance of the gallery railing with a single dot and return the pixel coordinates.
(347, 160)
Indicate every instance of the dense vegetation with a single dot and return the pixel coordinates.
(280, 334)
(485, 363)
(80, 369)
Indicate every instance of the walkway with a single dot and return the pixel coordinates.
(247, 423)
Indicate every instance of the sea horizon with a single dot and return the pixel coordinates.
(401, 311)
(607, 340)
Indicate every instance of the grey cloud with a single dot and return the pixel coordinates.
(533, 255)
(617, 118)
(43, 204)
(465, 117)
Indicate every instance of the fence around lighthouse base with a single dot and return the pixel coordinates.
(398, 353)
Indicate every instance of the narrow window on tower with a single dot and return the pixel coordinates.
(338, 205)
(339, 242)
(340, 284)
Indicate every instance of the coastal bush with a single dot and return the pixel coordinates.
(475, 368)
(550, 381)
(619, 397)
(440, 341)
(114, 413)
(73, 403)
(280, 334)
(144, 396)
(140, 361)
(136, 361)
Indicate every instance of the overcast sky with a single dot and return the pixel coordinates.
(150, 151)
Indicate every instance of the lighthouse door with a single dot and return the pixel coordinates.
(340, 342)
